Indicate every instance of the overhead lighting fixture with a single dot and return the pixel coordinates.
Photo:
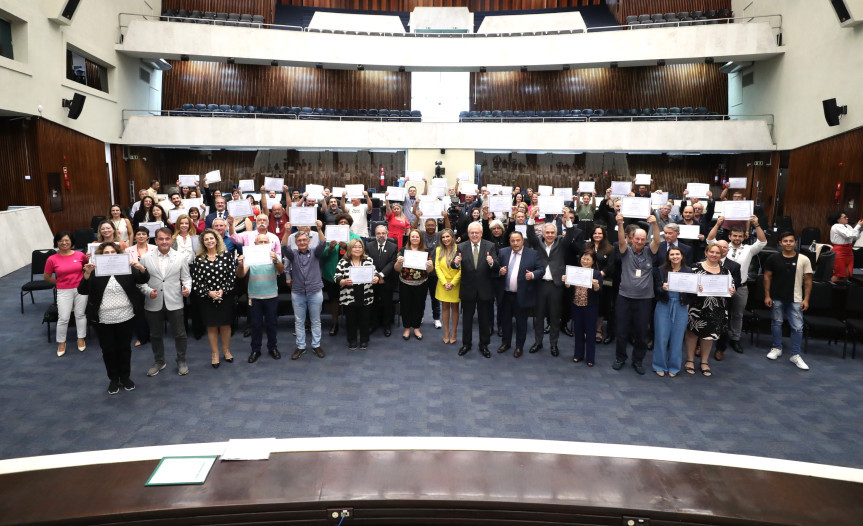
(159, 64)
(360, 67)
(230, 60)
(482, 69)
(274, 63)
(319, 66)
(660, 62)
(566, 67)
(401, 69)
(184, 58)
(613, 65)
(524, 69)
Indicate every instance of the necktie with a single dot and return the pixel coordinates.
(513, 274)
(380, 249)
(475, 255)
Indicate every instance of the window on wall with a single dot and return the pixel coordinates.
(85, 71)
(6, 39)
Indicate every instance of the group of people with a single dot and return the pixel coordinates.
(471, 262)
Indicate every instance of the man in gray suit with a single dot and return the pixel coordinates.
(163, 299)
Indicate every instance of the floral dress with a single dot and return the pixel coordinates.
(708, 315)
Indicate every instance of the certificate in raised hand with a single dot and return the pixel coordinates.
(683, 282)
(737, 182)
(587, 187)
(213, 177)
(506, 190)
(274, 183)
(715, 285)
(659, 198)
(438, 191)
(642, 179)
(431, 208)
(464, 176)
(337, 233)
(188, 180)
(315, 191)
(564, 193)
(303, 215)
(152, 226)
(550, 204)
(698, 190)
(196, 202)
(620, 188)
(246, 185)
(361, 274)
(579, 276)
(112, 264)
(414, 175)
(500, 204)
(737, 210)
(689, 231)
(257, 255)
(522, 229)
(355, 191)
(467, 188)
(493, 189)
(240, 208)
(174, 214)
(415, 259)
(91, 247)
(395, 193)
(338, 191)
(545, 190)
(637, 207)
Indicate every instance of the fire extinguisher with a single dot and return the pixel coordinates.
(838, 194)
(66, 181)
(383, 177)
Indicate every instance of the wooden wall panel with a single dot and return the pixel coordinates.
(17, 159)
(638, 87)
(408, 5)
(623, 8)
(267, 8)
(218, 83)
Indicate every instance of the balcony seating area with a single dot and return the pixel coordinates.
(212, 18)
(293, 112)
(673, 113)
(683, 18)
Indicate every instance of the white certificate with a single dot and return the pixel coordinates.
(91, 247)
(337, 233)
(257, 255)
(414, 175)
(500, 204)
(550, 204)
(213, 177)
(715, 285)
(303, 215)
(152, 226)
(161, 197)
(506, 190)
(698, 190)
(274, 183)
(620, 188)
(355, 191)
(467, 188)
(586, 187)
(438, 191)
(439, 181)
(431, 208)
(737, 210)
(338, 191)
(395, 193)
(174, 214)
(362, 274)
(689, 231)
(112, 264)
(464, 176)
(737, 182)
(579, 276)
(196, 202)
(246, 185)
(315, 191)
(545, 190)
(683, 282)
(257, 198)
(522, 229)
(565, 193)
(642, 179)
(637, 207)
(659, 198)
(494, 189)
(240, 208)
(188, 180)
(415, 259)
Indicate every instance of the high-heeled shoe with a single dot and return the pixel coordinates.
(82, 344)
(61, 349)
(216, 365)
(229, 357)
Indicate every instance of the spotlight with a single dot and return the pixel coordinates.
(401, 69)
(230, 60)
(360, 67)
(566, 67)
(613, 65)
(319, 66)
(524, 69)
(660, 62)
(274, 63)
(184, 58)
(482, 69)
(708, 60)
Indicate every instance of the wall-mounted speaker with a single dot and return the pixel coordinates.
(75, 105)
(65, 16)
(833, 112)
(849, 12)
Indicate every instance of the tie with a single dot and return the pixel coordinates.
(380, 249)
(219, 215)
(513, 274)
(475, 256)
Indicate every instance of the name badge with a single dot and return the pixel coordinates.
(638, 273)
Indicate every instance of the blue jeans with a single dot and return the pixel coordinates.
(788, 311)
(263, 315)
(669, 326)
(311, 303)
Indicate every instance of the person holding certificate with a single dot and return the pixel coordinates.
(112, 303)
(413, 265)
(263, 299)
(671, 314)
(213, 277)
(144, 214)
(306, 289)
(356, 297)
(708, 315)
(195, 216)
(333, 252)
(585, 311)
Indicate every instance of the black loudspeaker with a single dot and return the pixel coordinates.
(841, 10)
(69, 9)
(833, 112)
(443, 151)
(76, 105)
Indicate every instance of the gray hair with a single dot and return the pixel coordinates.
(474, 225)
(673, 226)
(552, 225)
(496, 223)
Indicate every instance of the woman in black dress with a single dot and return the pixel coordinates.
(605, 262)
(708, 315)
(213, 277)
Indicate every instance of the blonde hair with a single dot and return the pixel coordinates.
(192, 230)
(202, 250)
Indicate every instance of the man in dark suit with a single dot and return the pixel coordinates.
(671, 231)
(383, 252)
(520, 270)
(552, 250)
(221, 211)
(477, 258)
(734, 268)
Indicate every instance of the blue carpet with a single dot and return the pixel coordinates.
(750, 406)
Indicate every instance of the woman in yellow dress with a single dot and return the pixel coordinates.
(447, 290)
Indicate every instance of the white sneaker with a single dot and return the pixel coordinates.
(797, 360)
(774, 353)
(437, 324)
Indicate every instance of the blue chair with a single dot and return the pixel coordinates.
(463, 116)
(416, 116)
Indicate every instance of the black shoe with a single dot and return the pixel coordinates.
(215, 365)
(484, 350)
(275, 354)
(736, 346)
(518, 352)
(617, 365)
(352, 346)
(650, 345)
(638, 367)
(464, 350)
(536, 347)
(566, 330)
(318, 352)
(503, 348)
(230, 360)
(387, 332)
(607, 340)
(547, 329)
(364, 346)
(334, 330)
(297, 354)
(555, 351)
(499, 332)
(406, 337)
(254, 356)
(127, 384)
(113, 387)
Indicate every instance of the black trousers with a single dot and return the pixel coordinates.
(509, 307)
(115, 339)
(472, 306)
(547, 306)
(357, 316)
(566, 306)
(383, 311)
(632, 316)
(412, 299)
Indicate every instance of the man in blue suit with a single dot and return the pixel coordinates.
(520, 269)
(670, 233)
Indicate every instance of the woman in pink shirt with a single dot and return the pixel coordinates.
(65, 270)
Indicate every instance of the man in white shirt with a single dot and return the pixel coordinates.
(359, 213)
(245, 239)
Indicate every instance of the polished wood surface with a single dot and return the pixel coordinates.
(602, 88)
(432, 487)
(472, 5)
(623, 8)
(17, 160)
(249, 85)
(267, 8)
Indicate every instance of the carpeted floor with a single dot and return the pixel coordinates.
(750, 406)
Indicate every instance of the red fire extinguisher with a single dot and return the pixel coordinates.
(838, 194)
(383, 177)
(66, 181)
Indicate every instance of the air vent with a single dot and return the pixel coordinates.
(144, 75)
(748, 79)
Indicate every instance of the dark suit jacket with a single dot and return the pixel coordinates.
(662, 254)
(476, 282)
(734, 268)
(525, 289)
(384, 262)
(94, 289)
(555, 262)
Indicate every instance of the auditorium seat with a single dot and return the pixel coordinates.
(195, 14)
(221, 18)
(384, 114)
(657, 18)
(416, 116)
(352, 114)
(518, 116)
(208, 18)
(660, 114)
(318, 113)
(330, 112)
(508, 116)
(211, 108)
(485, 115)
(183, 14)
(200, 109)
(363, 114)
(643, 19)
(188, 110)
(686, 113)
(306, 112)
(224, 111)
(497, 115)
(474, 116)
(631, 20)
(257, 21)
(245, 20)
(405, 115)
(463, 116)
(700, 112)
(372, 114)
(233, 20)
(673, 113)
(250, 112)
(167, 14)
(238, 110)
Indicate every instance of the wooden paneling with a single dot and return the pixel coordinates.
(267, 8)
(18, 159)
(218, 83)
(638, 87)
(473, 5)
(623, 8)
(761, 178)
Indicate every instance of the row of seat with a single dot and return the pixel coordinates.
(294, 112)
(212, 18)
(683, 18)
(687, 113)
